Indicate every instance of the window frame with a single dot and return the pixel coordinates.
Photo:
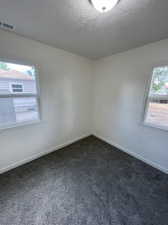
(146, 101)
(22, 94)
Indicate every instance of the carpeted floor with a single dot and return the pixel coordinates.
(87, 183)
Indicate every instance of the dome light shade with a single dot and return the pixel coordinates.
(104, 5)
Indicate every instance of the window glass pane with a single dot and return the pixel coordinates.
(7, 111)
(26, 109)
(159, 84)
(16, 76)
(157, 104)
(17, 81)
(16, 86)
(17, 110)
(158, 114)
(17, 90)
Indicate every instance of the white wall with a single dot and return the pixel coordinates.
(119, 89)
(65, 81)
(70, 104)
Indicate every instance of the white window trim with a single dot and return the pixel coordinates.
(146, 101)
(37, 96)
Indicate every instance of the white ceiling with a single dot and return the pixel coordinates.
(74, 25)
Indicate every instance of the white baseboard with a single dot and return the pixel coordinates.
(36, 156)
(153, 164)
(55, 148)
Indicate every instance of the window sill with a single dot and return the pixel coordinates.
(163, 128)
(15, 125)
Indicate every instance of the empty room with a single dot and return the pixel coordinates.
(83, 112)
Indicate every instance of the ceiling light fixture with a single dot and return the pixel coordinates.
(104, 5)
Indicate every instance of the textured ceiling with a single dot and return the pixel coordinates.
(74, 25)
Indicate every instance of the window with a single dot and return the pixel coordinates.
(19, 96)
(156, 113)
(16, 88)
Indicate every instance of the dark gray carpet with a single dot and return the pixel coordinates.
(87, 183)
